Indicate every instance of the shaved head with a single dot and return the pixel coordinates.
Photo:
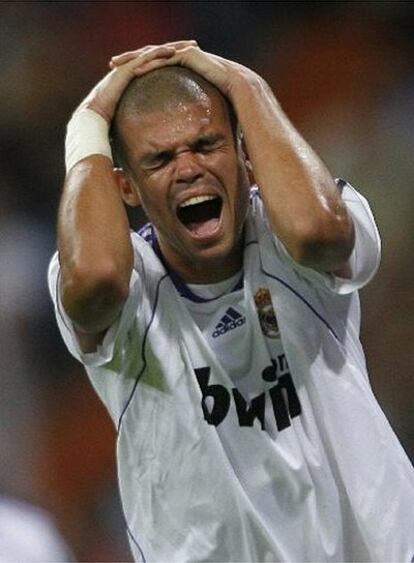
(164, 89)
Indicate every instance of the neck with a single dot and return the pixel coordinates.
(205, 271)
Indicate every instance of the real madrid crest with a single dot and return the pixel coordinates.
(267, 317)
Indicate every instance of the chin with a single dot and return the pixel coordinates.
(225, 254)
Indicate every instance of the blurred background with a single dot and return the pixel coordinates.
(343, 72)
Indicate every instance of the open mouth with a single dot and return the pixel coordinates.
(201, 215)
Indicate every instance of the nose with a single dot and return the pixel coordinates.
(187, 169)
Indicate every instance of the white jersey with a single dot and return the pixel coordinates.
(247, 427)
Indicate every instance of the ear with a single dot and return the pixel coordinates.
(127, 190)
(246, 160)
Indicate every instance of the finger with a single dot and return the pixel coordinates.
(141, 54)
(154, 64)
(213, 68)
(162, 52)
(183, 43)
(129, 55)
(175, 60)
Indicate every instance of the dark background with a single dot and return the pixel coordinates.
(343, 72)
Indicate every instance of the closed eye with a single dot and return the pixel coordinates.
(157, 160)
(202, 145)
(208, 143)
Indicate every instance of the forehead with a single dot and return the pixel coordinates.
(175, 125)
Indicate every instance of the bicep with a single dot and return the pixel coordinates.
(92, 306)
(95, 347)
(89, 342)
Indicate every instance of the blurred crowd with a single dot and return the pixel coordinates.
(342, 71)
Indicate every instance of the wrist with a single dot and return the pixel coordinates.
(245, 85)
(87, 134)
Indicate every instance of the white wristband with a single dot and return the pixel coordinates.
(86, 134)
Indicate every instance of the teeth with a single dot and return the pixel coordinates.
(197, 199)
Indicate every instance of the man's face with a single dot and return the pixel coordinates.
(192, 182)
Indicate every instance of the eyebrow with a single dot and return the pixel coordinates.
(211, 138)
(150, 157)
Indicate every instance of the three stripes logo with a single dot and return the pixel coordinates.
(230, 320)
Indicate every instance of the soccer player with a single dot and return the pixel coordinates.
(224, 336)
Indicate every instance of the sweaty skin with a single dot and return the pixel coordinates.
(95, 250)
(303, 205)
(301, 200)
(184, 153)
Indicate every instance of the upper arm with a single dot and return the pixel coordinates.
(92, 301)
(327, 244)
(365, 258)
(95, 250)
(344, 272)
(89, 342)
(95, 347)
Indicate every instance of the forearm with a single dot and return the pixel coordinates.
(95, 250)
(301, 199)
(94, 245)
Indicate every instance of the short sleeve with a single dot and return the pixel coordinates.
(365, 258)
(114, 336)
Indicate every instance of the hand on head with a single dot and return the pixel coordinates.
(217, 70)
(105, 96)
(150, 51)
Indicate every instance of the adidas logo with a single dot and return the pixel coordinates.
(230, 320)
